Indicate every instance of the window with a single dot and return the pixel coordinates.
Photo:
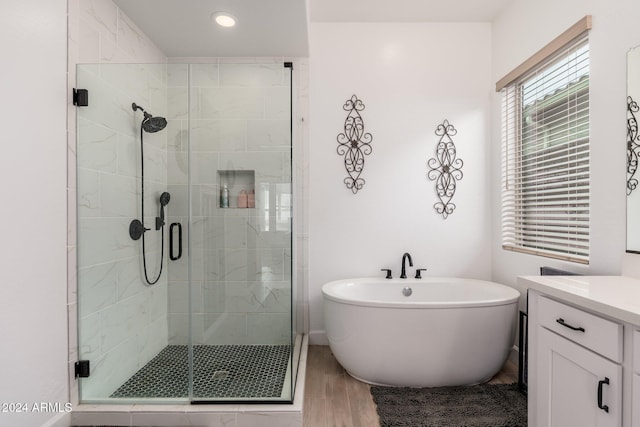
(545, 156)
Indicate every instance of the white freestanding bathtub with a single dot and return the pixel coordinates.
(447, 332)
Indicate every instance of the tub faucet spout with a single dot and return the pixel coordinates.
(406, 255)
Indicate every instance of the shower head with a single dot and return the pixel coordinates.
(164, 198)
(153, 124)
(150, 124)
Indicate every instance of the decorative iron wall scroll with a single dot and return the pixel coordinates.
(445, 169)
(354, 144)
(633, 146)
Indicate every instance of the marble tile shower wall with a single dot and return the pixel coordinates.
(110, 322)
(241, 258)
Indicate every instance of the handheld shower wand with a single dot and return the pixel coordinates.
(164, 201)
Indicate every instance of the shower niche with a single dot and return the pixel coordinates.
(241, 188)
(217, 324)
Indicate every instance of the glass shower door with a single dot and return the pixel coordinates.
(239, 153)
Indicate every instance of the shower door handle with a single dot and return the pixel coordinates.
(172, 256)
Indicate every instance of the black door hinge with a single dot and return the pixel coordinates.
(82, 369)
(80, 97)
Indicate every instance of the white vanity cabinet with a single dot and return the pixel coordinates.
(636, 380)
(576, 384)
(583, 389)
(584, 351)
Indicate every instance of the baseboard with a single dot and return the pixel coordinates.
(60, 420)
(514, 355)
(318, 338)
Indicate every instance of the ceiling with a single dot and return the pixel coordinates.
(183, 28)
(406, 10)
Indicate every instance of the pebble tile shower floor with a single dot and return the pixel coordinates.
(220, 371)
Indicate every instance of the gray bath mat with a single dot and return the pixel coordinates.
(484, 405)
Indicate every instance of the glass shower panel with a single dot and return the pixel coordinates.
(122, 320)
(240, 148)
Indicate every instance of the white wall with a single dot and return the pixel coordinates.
(33, 290)
(520, 31)
(633, 199)
(410, 77)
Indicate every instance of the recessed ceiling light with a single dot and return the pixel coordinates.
(224, 19)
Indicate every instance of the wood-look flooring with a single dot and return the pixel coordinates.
(332, 398)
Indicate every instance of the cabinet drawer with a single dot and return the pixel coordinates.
(600, 335)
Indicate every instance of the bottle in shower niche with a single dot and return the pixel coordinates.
(251, 199)
(242, 199)
(224, 196)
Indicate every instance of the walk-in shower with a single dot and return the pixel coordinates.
(218, 324)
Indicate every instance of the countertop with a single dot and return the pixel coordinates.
(614, 296)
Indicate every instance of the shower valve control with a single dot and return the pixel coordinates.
(136, 229)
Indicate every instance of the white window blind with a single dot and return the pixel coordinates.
(545, 157)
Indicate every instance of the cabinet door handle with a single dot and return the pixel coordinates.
(605, 408)
(566, 325)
